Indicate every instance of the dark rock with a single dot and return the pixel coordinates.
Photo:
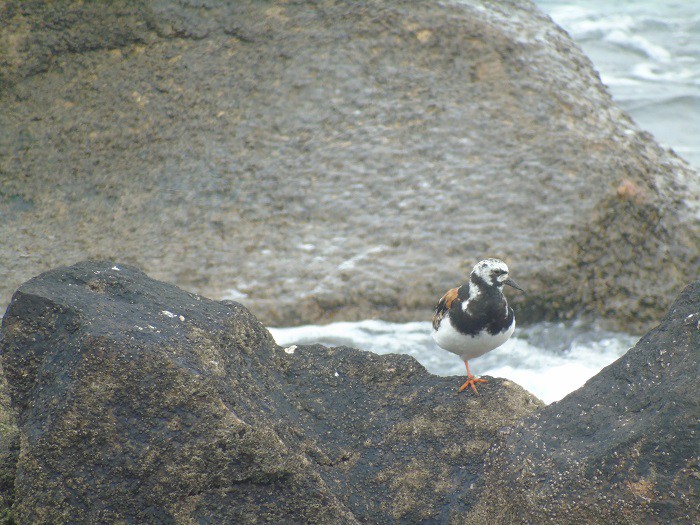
(138, 402)
(622, 449)
(36, 34)
(333, 160)
(9, 451)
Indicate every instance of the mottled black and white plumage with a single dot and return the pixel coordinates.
(475, 318)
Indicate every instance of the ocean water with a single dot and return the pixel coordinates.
(549, 359)
(648, 54)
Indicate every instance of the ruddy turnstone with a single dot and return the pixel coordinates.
(475, 318)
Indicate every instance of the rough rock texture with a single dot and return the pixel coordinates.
(35, 33)
(332, 160)
(138, 402)
(9, 450)
(624, 448)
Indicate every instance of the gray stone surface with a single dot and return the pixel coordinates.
(332, 161)
(138, 402)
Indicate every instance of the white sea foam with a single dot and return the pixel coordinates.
(549, 360)
(585, 24)
(653, 72)
(639, 44)
(232, 294)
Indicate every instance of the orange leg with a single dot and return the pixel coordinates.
(471, 380)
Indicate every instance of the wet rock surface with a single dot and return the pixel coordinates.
(332, 161)
(622, 449)
(135, 401)
(139, 402)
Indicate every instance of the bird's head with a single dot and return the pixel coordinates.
(494, 272)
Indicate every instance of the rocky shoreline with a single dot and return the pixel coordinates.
(126, 399)
(330, 162)
(326, 161)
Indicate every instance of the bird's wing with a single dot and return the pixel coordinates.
(444, 305)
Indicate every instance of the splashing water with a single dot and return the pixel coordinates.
(550, 360)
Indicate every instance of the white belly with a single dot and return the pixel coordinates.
(469, 347)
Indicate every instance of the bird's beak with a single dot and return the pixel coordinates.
(511, 282)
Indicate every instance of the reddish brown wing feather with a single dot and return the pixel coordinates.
(443, 306)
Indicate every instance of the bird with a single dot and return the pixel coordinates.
(475, 318)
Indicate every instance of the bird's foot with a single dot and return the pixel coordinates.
(471, 380)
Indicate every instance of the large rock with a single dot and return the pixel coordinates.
(330, 160)
(138, 402)
(622, 449)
